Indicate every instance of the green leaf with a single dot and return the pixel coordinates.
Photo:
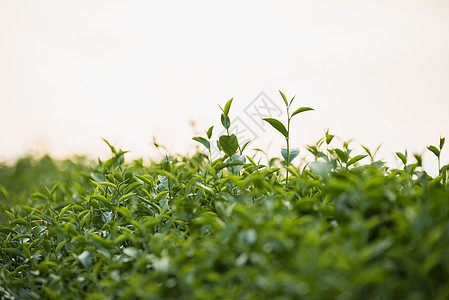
(227, 107)
(124, 197)
(329, 138)
(342, 155)
(209, 132)
(124, 212)
(85, 259)
(292, 155)
(434, 150)
(202, 141)
(225, 121)
(442, 142)
(244, 145)
(229, 144)
(300, 110)
(145, 178)
(39, 195)
(291, 101)
(53, 189)
(103, 199)
(277, 125)
(284, 98)
(402, 157)
(4, 191)
(13, 251)
(356, 159)
(236, 163)
(110, 146)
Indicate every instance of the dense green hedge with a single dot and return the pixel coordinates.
(341, 226)
(186, 228)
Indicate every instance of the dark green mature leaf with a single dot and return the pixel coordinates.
(202, 141)
(277, 125)
(229, 144)
(300, 110)
(434, 150)
(284, 98)
(225, 121)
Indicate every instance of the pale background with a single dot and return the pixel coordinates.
(73, 72)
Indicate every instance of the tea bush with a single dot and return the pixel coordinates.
(231, 228)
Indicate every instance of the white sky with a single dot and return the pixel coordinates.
(72, 72)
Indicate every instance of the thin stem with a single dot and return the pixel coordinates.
(288, 144)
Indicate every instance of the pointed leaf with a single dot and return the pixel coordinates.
(291, 101)
(300, 110)
(442, 142)
(124, 197)
(229, 144)
(329, 138)
(284, 98)
(227, 107)
(209, 132)
(244, 145)
(434, 150)
(277, 125)
(356, 159)
(202, 141)
(402, 157)
(110, 146)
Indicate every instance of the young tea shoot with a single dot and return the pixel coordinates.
(289, 154)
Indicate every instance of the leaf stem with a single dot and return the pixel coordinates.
(288, 143)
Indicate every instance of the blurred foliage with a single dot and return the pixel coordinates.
(191, 228)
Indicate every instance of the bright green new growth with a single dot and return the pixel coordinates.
(437, 152)
(288, 154)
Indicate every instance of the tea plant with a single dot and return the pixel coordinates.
(198, 228)
(288, 154)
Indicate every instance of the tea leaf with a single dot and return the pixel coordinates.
(202, 141)
(402, 157)
(225, 121)
(209, 132)
(86, 259)
(227, 107)
(277, 125)
(355, 159)
(284, 98)
(442, 142)
(292, 155)
(434, 150)
(229, 144)
(300, 110)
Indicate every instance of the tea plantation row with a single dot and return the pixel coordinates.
(191, 228)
